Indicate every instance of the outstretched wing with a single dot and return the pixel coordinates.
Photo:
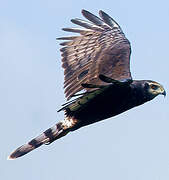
(101, 48)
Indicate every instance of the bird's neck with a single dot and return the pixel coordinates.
(138, 95)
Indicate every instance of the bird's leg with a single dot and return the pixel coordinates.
(113, 81)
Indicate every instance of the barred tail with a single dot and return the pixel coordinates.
(47, 137)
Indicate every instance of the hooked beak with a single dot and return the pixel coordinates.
(164, 93)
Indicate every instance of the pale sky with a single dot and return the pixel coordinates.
(130, 146)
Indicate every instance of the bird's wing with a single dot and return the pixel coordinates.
(101, 48)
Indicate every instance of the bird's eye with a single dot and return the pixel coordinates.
(154, 87)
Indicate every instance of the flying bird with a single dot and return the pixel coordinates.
(96, 62)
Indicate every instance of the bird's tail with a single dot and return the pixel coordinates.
(47, 137)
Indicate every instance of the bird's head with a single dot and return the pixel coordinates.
(154, 89)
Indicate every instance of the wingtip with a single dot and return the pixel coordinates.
(83, 11)
(101, 12)
(86, 13)
(72, 20)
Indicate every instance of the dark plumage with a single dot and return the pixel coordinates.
(96, 61)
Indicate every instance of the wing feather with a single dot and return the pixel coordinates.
(108, 20)
(86, 24)
(75, 30)
(100, 48)
(94, 19)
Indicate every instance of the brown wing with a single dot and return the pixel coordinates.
(101, 48)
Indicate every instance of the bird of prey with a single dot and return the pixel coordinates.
(97, 62)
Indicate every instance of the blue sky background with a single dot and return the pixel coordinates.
(131, 146)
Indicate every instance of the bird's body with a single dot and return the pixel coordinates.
(97, 61)
(106, 102)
